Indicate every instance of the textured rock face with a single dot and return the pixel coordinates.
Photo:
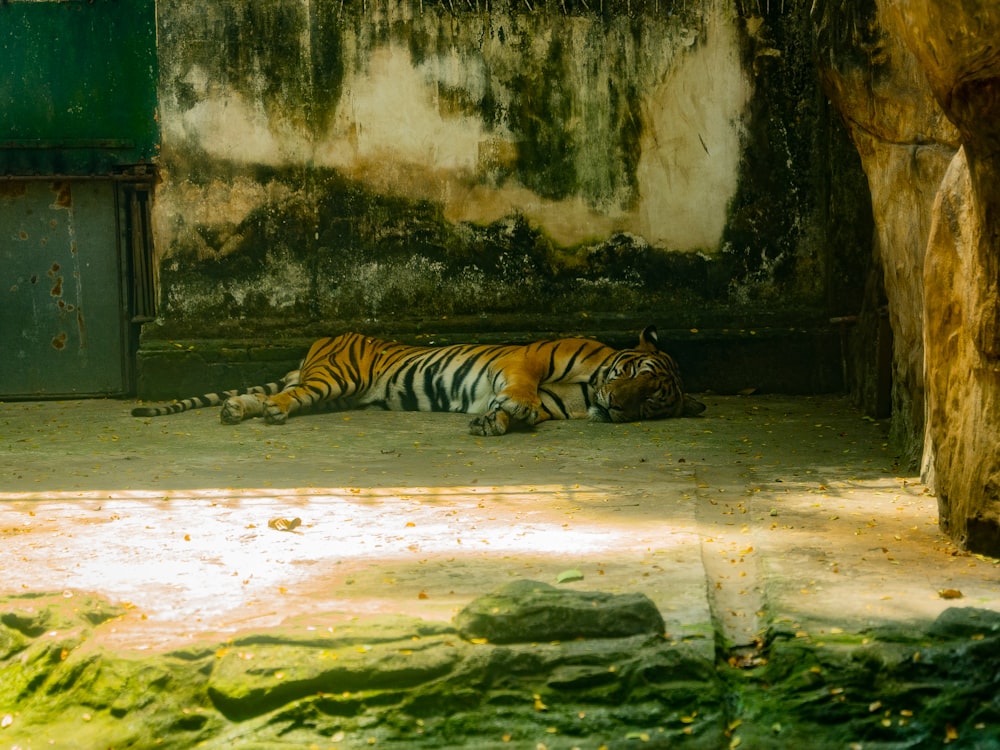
(963, 386)
(919, 80)
(404, 682)
(905, 143)
(955, 43)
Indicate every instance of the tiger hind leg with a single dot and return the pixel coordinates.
(250, 403)
(245, 406)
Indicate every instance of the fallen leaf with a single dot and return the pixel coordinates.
(950, 594)
(568, 576)
(284, 524)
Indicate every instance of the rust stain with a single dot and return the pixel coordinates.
(64, 194)
(59, 342)
(13, 189)
(23, 235)
(82, 328)
(57, 281)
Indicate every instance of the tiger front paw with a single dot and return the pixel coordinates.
(523, 408)
(522, 412)
(491, 424)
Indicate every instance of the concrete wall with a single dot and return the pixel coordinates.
(407, 167)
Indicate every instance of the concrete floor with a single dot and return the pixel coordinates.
(765, 509)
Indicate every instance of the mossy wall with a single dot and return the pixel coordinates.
(417, 165)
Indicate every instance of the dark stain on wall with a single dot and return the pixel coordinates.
(379, 257)
(800, 223)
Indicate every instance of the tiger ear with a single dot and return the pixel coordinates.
(648, 340)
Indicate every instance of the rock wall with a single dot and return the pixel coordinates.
(955, 42)
(905, 143)
(916, 81)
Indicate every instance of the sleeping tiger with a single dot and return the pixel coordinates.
(502, 385)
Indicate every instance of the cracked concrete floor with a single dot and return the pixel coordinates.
(765, 509)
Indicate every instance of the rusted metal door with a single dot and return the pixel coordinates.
(78, 137)
(63, 326)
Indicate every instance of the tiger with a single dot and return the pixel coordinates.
(503, 385)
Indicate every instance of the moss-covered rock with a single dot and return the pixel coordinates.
(409, 683)
(529, 611)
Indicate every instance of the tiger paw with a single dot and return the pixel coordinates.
(242, 407)
(232, 411)
(273, 414)
(522, 411)
(490, 424)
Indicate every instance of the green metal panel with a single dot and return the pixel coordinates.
(62, 314)
(78, 90)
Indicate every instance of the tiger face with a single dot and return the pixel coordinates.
(643, 383)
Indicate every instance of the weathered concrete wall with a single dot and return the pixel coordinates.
(402, 166)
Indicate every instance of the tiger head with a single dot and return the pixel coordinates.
(641, 383)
